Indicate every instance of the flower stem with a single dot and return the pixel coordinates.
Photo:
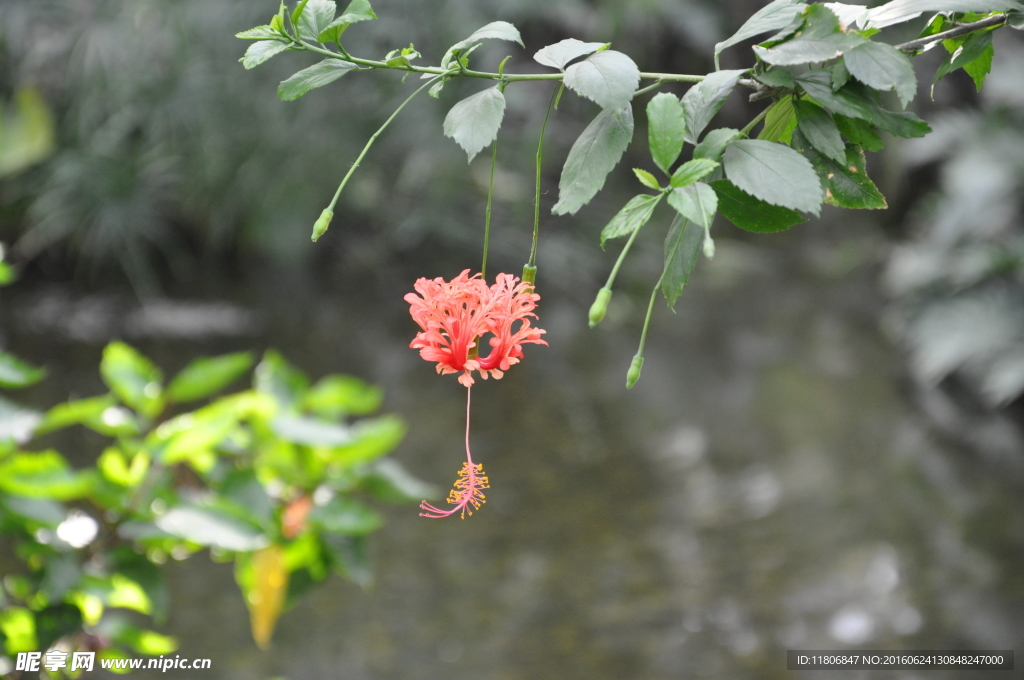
(638, 360)
(469, 456)
(536, 197)
(373, 138)
(487, 213)
(757, 119)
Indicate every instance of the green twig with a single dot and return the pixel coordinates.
(757, 119)
(487, 213)
(536, 197)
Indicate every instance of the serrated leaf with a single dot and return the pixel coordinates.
(979, 68)
(820, 39)
(691, 171)
(682, 246)
(774, 173)
(133, 378)
(882, 67)
(972, 48)
(820, 130)
(666, 129)
(592, 157)
(702, 101)
(772, 17)
(697, 202)
(840, 75)
(315, 18)
(750, 213)
(847, 184)
(261, 33)
(474, 122)
(633, 215)
(15, 373)
(562, 52)
(317, 75)
(357, 10)
(852, 101)
(859, 132)
(647, 179)
(849, 15)
(776, 77)
(898, 11)
(496, 30)
(259, 52)
(205, 376)
(713, 145)
(779, 121)
(608, 78)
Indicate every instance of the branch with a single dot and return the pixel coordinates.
(962, 29)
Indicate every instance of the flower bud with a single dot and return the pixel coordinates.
(709, 246)
(634, 371)
(529, 274)
(600, 306)
(321, 224)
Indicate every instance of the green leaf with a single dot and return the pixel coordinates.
(315, 18)
(772, 17)
(883, 67)
(702, 101)
(608, 78)
(682, 246)
(852, 101)
(592, 157)
(820, 130)
(317, 75)
(42, 475)
(55, 622)
(344, 516)
(75, 413)
(17, 423)
(262, 33)
(279, 379)
(561, 53)
(15, 373)
(750, 213)
(496, 30)
(979, 68)
(780, 121)
(898, 11)
(976, 46)
(7, 275)
(847, 184)
(18, 626)
(860, 132)
(205, 376)
(388, 481)
(840, 75)
(143, 641)
(133, 378)
(691, 171)
(774, 173)
(666, 129)
(113, 653)
(372, 439)
(337, 395)
(647, 179)
(357, 10)
(713, 145)
(350, 556)
(206, 526)
(820, 39)
(698, 203)
(633, 216)
(259, 52)
(776, 77)
(45, 512)
(474, 122)
(310, 431)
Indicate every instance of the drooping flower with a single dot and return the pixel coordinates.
(455, 315)
(467, 492)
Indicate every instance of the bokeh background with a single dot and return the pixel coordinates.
(824, 450)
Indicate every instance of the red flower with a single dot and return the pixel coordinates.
(455, 315)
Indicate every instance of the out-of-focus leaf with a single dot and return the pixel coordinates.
(42, 475)
(561, 53)
(474, 122)
(371, 440)
(26, 132)
(633, 216)
(17, 423)
(19, 628)
(387, 480)
(15, 373)
(206, 526)
(898, 11)
(113, 653)
(682, 246)
(125, 593)
(133, 378)
(592, 157)
(39, 510)
(204, 376)
(244, 489)
(310, 431)
(351, 557)
(317, 75)
(750, 213)
(608, 78)
(774, 173)
(702, 101)
(56, 621)
(75, 413)
(666, 129)
(279, 379)
(337, 395)
(344, 516)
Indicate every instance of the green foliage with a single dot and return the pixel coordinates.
(819, 38)
(608, 78)
(774, 173)
(682, 246)
(561, 53)
(474, 122)
(702, 101)
(666, 130)
(273, 468)
(750, 213)
(772, 17)
(592, 157)
(633, 216)
(317, 75)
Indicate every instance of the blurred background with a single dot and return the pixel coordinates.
(825, 448)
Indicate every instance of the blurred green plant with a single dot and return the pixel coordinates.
(273, 478)
(26, 132)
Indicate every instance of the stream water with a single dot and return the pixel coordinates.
(766, 486)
